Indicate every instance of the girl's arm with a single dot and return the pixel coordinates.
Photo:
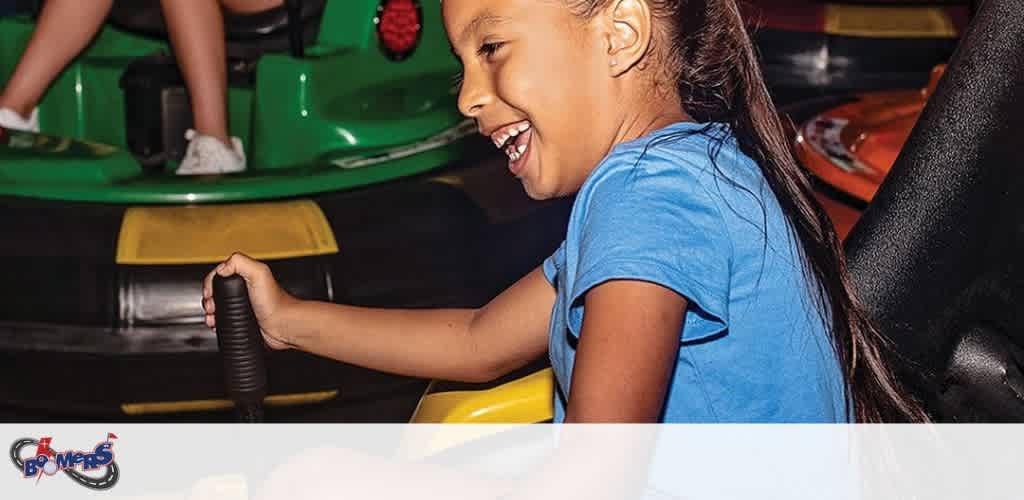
(471, 345)
(627, 350)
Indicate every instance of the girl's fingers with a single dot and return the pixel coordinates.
(209, 306)
(239, 264)
(226, 268)
(208, 283)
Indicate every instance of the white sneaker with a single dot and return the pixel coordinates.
(12, 120)
(206, 155)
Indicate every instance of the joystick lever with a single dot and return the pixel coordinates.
(241, 347)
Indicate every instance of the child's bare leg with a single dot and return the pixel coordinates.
(65, 27)
(196, 30)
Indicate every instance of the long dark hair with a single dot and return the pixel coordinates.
(719, 80)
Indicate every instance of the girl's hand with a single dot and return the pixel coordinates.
(268, 299)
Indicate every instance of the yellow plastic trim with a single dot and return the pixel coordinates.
(524, 401)
(205, 234)
(528, 400)
(162, 407)
(888, 22)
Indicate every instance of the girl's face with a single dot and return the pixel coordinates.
(536, 78)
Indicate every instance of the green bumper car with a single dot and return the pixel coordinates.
(365, 186)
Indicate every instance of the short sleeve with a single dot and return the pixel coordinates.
(553, 263)
(654, 221)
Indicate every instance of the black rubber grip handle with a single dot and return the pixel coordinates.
(241, 347)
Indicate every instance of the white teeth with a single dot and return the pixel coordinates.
(514, 131)
(502, 141)
(514, 152)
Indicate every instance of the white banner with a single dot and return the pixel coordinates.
(298, 462)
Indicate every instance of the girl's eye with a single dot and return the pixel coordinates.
(488, 49)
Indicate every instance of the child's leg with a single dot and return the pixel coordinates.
(197, 32)
(65, 27)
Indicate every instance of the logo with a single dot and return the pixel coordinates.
(95, 469)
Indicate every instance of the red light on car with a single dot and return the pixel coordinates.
(399, 24)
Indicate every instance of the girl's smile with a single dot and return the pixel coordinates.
(514, 140)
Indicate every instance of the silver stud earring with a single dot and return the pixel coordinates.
(614, 62)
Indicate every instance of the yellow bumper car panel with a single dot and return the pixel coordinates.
(205, 234)
(524, 400)
(203, 405)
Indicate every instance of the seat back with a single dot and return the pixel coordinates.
(937, 256)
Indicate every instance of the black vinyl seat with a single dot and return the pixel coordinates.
(938, 256)
(289, 27)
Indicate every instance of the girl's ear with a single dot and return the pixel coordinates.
(629, 36)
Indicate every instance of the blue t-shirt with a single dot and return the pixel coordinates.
(753, 347)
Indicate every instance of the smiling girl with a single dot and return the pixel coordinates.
(698, 281)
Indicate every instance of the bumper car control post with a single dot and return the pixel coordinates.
(241, 348)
